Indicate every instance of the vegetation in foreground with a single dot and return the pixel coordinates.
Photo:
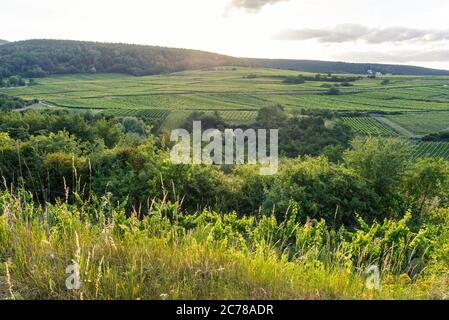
(206, 255)
(103, 195)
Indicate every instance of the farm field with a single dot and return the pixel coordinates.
(431, 149)
(369, 126)
(150, 114)
(422, 122)
(230, 88)
(409, 106)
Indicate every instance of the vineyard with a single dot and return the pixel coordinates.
(237, 116)
(150, 114)
(422, 122)
(431, 149)
(369, 126)
(408, 106)
(232, 89)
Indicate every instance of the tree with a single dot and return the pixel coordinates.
(271, 117)
(111, 134)
(14, 81)
(382, 163)
(133, 125)
(294, 80)
(208, 121)
(321, 190)
(333, 91)
(426, 180)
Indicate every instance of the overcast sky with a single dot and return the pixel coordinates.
(390, 31)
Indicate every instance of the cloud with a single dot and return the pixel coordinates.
(253, 5)
(356, 32)
(400, 56)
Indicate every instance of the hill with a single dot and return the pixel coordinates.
(38, 58)
(344, 67)
(3, 41)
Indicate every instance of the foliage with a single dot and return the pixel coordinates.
(10, 103)
(207, 255)
(38, 58)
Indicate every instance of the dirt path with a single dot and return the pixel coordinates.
(33, 106)
(395, 126)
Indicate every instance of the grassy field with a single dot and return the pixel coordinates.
(203, 256)
(420, 104)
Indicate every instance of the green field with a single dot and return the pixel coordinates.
(420, 104)
(431, 149)
(369, 126)
(423, 122)
(231, 89)
(150, 114)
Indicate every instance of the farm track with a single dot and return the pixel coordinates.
(396, 127)
(34, 106)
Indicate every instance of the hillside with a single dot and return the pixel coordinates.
(344, 67)
(38, 58)
(3, 41)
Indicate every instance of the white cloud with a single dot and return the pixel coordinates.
(357, 32)
(399, 56)
(253, 5)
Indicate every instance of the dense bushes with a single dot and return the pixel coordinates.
(57, 153)
(13, 81)
(440, 136)
(345, 81)
(322, 190)
(10, 103)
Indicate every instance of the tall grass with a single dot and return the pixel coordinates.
(208, 255)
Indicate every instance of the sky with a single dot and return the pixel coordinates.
(386, 31)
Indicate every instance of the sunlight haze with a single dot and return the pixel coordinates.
(401, 31)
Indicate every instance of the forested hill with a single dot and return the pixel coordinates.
(344, 67)
(38, 58)
(3, 41)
